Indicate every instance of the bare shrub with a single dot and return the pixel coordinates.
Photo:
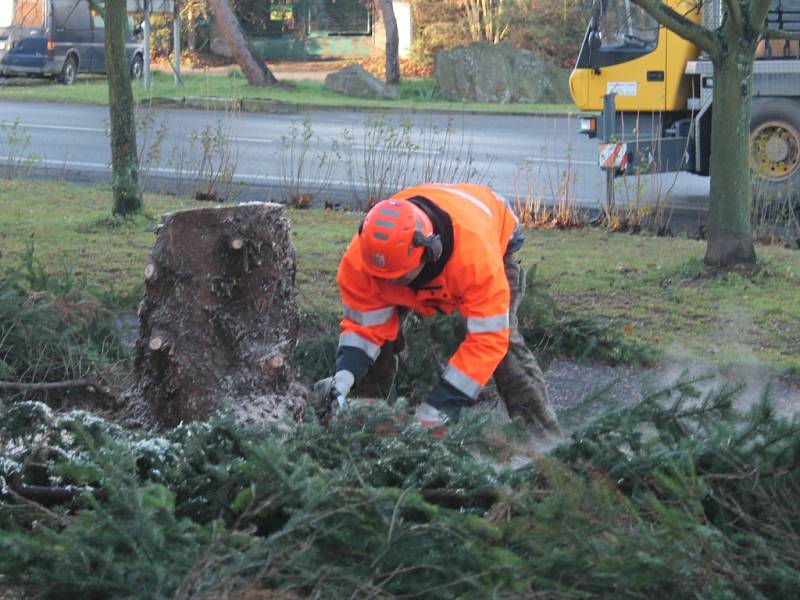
(204, 162)
(307, 164)
(218, 162)
(537, 181)
(775, 215)
(15, 141)
(640, 200)
(390, 157)
(151, 132)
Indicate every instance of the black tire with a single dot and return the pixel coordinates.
(69, 72)
(775, 147)
(137, 67)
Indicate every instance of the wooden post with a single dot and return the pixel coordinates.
(176, 40)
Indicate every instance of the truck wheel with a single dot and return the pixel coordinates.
(70, 71)
(137, 67)
(775, 147)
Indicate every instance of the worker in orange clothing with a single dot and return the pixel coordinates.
(432, 249)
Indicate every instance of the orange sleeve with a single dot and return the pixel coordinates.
(485, 307)
(369, 321)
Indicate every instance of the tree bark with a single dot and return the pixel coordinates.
(254, 69)
(730, 237)
(732, 49)
(219, 322)
(122, 119)
(392, 43)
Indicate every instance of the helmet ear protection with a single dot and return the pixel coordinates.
(431, 246)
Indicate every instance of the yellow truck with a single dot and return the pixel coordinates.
(653, 91)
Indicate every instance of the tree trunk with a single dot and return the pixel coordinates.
(122, 120)
(254, 69)
(474, 20)
(730, 238)
(392, 43)
(218, 324)
(191, 31)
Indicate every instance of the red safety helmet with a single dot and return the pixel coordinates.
(389, 246)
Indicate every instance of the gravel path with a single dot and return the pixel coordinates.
(284, 71)
(569, 383)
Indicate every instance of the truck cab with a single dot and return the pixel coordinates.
(654, 91)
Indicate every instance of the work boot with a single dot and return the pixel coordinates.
(430, 418)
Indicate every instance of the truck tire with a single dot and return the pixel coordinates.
(137, 67)
(775, 147)
(69, 72)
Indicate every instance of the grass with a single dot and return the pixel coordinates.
(655, 289)
(414, 94)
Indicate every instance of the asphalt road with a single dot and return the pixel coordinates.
(350, 155)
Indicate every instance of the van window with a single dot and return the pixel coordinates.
(72, 14)
(6, 14)
(29, 13)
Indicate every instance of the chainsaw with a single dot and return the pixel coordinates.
(328, 400)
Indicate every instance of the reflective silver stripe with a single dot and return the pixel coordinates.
(466, 196)
(369, 318)
(462, 382)
(487, 324)
(386, 224)
(507, 204)
(356, 341)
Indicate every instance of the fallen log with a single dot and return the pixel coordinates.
(22, 386)
(51, 496)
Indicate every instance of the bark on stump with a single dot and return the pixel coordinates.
(218, 324)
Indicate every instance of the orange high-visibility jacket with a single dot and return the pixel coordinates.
(473, 283)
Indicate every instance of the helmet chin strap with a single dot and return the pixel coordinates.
(432, 245)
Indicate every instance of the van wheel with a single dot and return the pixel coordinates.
(70, 71)
(137, 67)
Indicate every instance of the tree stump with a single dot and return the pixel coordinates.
(218, 324)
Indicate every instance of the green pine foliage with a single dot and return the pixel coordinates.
(552, 331)
(679, 495)
(53, 327)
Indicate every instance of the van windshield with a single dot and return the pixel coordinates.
(23, 13)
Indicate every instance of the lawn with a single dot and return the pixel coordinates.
(419, 94)
(656, 290)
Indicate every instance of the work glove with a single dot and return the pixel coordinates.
(333, 391)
